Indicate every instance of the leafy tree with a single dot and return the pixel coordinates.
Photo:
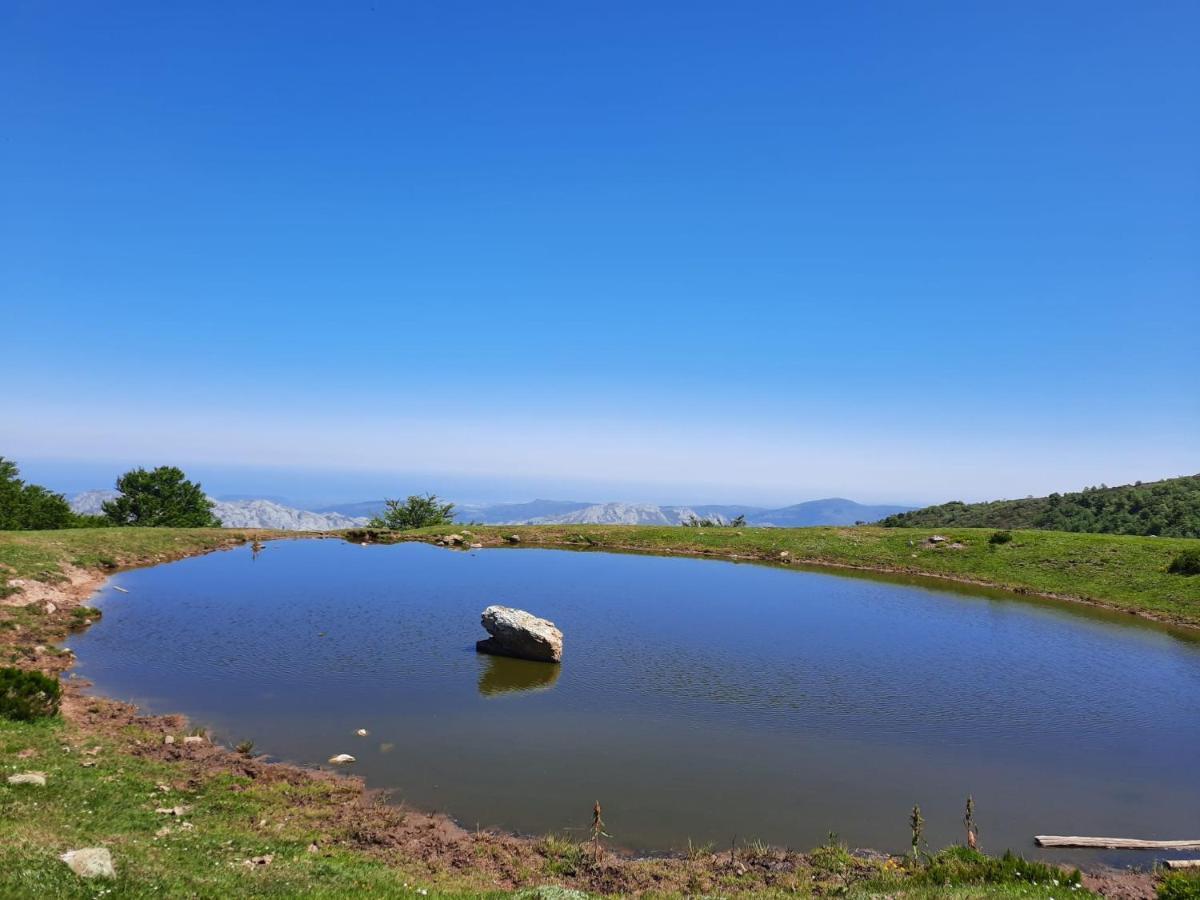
(161, 498)
(26, 507)
(415, 512)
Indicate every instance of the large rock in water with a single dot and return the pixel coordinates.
(515, 632)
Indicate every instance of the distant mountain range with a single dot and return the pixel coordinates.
(261, 513)
(243, 513)
(831, 511)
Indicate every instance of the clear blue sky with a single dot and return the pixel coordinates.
(649, 251)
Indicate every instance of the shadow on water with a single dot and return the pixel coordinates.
(504, 675)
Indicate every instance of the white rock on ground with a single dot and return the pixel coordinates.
(37, 778)
(90, 862)
(515, 632)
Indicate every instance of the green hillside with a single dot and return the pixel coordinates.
(1169, 508)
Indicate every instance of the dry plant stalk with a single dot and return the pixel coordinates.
(969, 822)
(597, 833)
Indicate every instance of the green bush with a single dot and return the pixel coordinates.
(1186, 563)
(25, 696)
(1179, 886)
(1000, 537)
(415, 512)
(833, 857)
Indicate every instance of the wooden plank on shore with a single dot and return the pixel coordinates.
(1182, 863)
(1108, 843)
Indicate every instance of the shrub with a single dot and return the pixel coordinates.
(1179, 886)
(415, 512)
(832, 857)
(1186, 563)
(1000, 537)
(84, 615)
(25, 696)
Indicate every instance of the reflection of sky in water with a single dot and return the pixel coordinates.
(696, 698)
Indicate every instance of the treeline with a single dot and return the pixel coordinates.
(1169, 508)
(162, 497)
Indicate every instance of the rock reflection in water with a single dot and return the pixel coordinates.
(506, 675)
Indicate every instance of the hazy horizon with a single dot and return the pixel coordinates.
(310, 489)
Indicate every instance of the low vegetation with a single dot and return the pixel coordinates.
(1179, 886)
(1169, 508)
(28, 695)
(1186, 563)
(418, 511)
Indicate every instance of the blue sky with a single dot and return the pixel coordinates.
(648, 251)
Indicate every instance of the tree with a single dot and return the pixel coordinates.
(415, 512)
(27, 507)
(161, 498)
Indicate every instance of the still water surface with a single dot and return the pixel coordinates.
(698, 699)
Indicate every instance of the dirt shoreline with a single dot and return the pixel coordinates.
(364, 820)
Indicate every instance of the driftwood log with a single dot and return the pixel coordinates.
(1110, 843)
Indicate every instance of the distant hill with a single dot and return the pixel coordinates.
(242, 513)
(364, 509)
(511, 513)
(1169, 508)
(264, 513)
(831, 511)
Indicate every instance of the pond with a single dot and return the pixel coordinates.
(698, 699)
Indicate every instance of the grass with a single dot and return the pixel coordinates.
(201, 854)
(41, 555)
(1180, 886)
